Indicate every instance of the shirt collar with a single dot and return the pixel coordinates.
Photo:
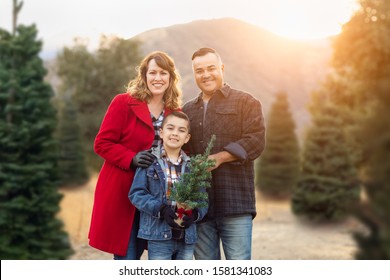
(165, 157)
(225, 90)
(159, 118)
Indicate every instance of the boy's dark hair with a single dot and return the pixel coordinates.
(178, 114)
(204, 51)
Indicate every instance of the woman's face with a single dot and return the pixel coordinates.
(157, 78)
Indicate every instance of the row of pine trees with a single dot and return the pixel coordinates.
(46, 135)
(320, 178)
(341, 166)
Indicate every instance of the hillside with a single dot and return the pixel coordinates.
(255, 59)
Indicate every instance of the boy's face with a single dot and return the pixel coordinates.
(174, 133)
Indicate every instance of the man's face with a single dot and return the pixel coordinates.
(208, 72)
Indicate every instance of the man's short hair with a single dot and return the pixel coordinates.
(204, 51)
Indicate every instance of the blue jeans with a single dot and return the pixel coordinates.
(170, 250)
(136, 245)
(235, 234)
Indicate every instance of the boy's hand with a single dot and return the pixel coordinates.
(189, 220)
(169, 215)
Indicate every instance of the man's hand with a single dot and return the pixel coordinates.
(220, 158)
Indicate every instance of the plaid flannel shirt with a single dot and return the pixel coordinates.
(172, 169)
(236, 118)
(157, 122)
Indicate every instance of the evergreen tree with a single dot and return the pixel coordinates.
(71, 162)
(93, 78)
(375, 211)
(327, 186)
(29, 199)
(188, 191)
(278, 168)
(341, 92)
(361, 54)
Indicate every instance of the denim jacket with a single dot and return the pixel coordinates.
(148, 193)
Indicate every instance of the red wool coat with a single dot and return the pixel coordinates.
(126, 129)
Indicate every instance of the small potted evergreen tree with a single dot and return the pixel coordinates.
(190, 191)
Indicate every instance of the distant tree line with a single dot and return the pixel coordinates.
(89, 80)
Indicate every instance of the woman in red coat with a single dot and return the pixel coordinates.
(129, 129)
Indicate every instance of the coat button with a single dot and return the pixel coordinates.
(165, 235)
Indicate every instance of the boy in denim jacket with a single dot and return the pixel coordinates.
(150, 194)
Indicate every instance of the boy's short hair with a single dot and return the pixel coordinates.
(178, 114)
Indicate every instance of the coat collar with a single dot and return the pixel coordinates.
(141, 110)
(156, 151)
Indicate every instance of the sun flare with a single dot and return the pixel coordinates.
(308, 19)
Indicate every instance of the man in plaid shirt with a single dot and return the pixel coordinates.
(236, 118)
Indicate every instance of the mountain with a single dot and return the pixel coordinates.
(255, 59)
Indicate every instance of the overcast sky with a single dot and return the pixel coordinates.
(59, 21)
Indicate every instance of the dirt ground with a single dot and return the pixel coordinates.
(277, 233)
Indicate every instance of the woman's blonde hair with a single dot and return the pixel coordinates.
(138, 88)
